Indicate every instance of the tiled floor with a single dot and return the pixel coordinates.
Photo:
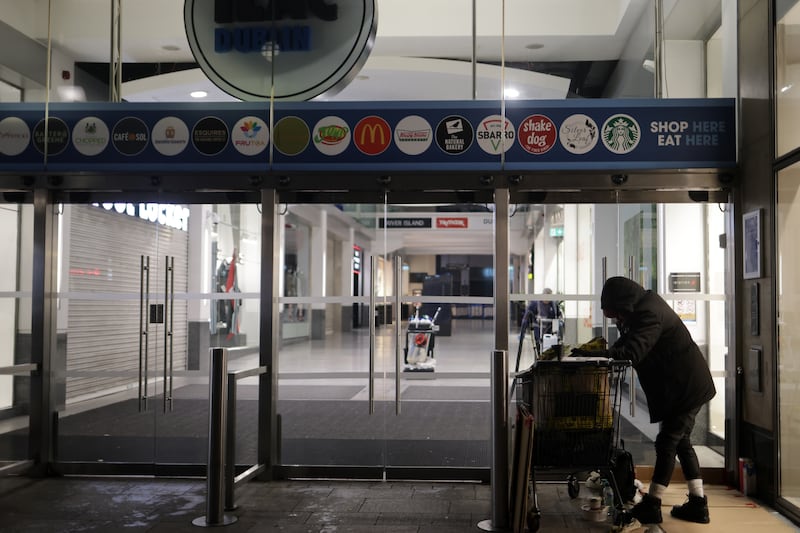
(74, 504)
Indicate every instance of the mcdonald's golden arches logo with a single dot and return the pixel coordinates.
(372, 135)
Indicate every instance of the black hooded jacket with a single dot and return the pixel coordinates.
(671, 368)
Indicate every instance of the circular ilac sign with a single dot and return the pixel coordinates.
(283, 49)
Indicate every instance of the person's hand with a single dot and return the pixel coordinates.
(577, 352)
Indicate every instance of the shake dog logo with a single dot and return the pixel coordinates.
(578, 134)
(90, 136)
(170, 136)
(250, 136)
(454, 135)
(322, 45)
(495, 134)
(15, 136)
(537, 134)
(332, 135)
(413, 135)
(621, 134)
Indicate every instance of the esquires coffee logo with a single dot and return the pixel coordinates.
(321, 43)
(210, 136)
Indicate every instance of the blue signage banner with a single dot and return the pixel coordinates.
(485, 136)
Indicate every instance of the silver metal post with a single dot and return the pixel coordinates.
(499, 444)
(604, 276)
(230, 445)
(398, 286)
(371, 384)
(217, 388)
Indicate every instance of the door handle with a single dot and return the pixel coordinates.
(398, 285)
(144, 325)
(372, 335)
(169, 305)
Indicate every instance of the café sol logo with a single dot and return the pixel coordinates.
(283, 49)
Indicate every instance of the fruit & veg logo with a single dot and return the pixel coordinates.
(331, 135)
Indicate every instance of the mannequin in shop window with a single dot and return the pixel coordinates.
(227, 281)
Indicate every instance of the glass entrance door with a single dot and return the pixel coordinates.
(146, 289)
(386, 333)
(671, 248)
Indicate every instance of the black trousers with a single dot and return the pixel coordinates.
(673, 440)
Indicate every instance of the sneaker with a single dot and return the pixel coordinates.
(647, 511)
(694, 510)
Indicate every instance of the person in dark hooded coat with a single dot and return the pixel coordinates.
(676, 380)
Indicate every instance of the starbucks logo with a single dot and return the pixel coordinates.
(621, 134)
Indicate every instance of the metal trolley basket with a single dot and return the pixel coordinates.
(574, 407)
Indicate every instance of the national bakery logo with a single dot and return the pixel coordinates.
(15, 136)
(250, 136)
(332, 135)
(454, 135)
(413, 135)
(261, 50)
(90, 136)
(170, 136)
(621, 134)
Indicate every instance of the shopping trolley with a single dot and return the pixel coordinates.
(572, 407)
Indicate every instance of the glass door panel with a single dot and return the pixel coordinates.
(16, 226)
(147, 290)
(335, 283)
(572, 248)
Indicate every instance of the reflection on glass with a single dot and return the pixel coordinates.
(788, 286)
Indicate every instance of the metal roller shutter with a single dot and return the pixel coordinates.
(103, 322)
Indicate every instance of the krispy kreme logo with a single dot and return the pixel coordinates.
(452, 222)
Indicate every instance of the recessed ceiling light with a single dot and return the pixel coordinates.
(198, 94)
(511, 92)
(171, 47)
(534, 46)
(362, 77)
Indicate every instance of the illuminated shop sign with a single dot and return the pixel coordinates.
(172, 216)
(356, 259)
(282, 49)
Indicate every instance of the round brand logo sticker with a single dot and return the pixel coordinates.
(57, 134)
(454, 135)
(210, 135)
(621, 133)
(413, 135)
(15, 136)
(250, 136)
(537, 134)
(372, 135)
(90, 136)
(495, 134)
(130, 136)
(291, 135)
(170, 136)
(578, 134)
(331, 135)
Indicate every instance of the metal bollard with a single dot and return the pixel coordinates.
(499, 445)
(215, 497)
